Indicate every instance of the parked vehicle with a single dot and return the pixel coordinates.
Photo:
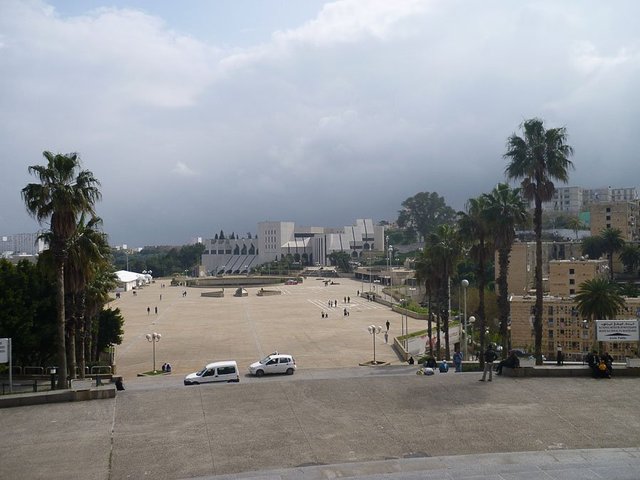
(274, 363)
(226, 371)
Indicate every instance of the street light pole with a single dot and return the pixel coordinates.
(465, 284)
(153, 338)
(373, 330)
(472, 320)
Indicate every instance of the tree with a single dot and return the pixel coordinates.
(575, 224)
(612, 242)
(593, 246)
(445, 249)
(62, 195)
(599, 299)
(537, 159)
(474, 229)
(630, 257)
(423, 213)
(504, 210)
(110, 331)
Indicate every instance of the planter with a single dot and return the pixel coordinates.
(633, 362)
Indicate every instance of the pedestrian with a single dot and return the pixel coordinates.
(335, 302)
(386, 337)
(411, 361)
(457, 360)
(358, 293)
(148, 310)
(156, 310)
(344, 300)
(348, 299)
(345, 312)
(388, 325)
(489, 358)
(160, 297)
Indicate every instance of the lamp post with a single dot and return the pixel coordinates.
(463, 324)
(153, 338)
(373, 330)
(472, 320)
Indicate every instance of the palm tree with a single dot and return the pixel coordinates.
(425, 275)
(445, 248)
(575, 224)
(599, 298)
(62, 195)
(630, 257)
(89, 253)
(612, 242)
(504, 211)
(475, 230)
(537, 159)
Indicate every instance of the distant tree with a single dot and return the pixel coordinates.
(216, 237)
(630, 257)
(340, 260)
(538, 158)
(423, 213)
(612, 242)
(233, 236)
(576, 224)
(249, 235)
(221, 236)
(110, 328)
(592, 246)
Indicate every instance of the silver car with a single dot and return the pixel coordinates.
(274, 363)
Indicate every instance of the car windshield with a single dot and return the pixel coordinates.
(265, 359)
(201, 372)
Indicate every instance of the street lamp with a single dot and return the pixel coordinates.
(373, 330)
(472, 320)
(153, 338)
(465, 284)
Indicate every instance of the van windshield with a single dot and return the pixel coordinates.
(201, 372)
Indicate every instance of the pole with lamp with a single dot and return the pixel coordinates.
(471, 321)
(153, 338)
(463, 324)
(373, 330)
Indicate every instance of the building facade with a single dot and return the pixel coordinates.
(566, 275)
(622, 215)
(22, 244)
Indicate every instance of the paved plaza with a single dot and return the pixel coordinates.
(323, 422)
(197, 330)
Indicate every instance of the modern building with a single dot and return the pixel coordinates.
(22, 244)
(565, 199)
(307, 245)
(566, 275)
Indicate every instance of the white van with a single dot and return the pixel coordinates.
(226, 371)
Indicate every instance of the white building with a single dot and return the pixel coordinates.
(308, 245)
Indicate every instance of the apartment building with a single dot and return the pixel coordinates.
(622, 215)
(563, 327)
(566, 275)
(22, 244)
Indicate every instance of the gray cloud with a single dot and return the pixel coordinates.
(343, 116)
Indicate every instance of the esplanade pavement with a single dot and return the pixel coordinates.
(323, 422)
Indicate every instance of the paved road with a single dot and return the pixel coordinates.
(365, 422)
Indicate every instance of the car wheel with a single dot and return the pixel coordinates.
(289, 371)
(259, 373)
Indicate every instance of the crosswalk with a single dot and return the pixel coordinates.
(353, 305)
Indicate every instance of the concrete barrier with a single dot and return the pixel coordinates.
(57, 396)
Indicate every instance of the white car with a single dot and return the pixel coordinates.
(274, 363)
(226, 371)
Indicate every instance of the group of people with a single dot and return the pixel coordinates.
(166, 367)
(601, 365)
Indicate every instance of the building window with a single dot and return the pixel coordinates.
(572, 291)
(572, 281)
(572, 271)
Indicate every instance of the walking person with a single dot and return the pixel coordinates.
(386, 337)
(388, 324)
(457, 360)
(148, 310)
(489, 357)
(156, 310)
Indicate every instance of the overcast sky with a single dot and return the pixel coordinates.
(199, 116)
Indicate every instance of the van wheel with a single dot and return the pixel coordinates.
(289, 371)
(259, 373)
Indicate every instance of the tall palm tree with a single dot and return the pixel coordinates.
(575, 224)
(425, 275)
(537, 159)
(612, 242)
(89, 253)
(474, 229)
(599, 298)
(62, 195)
(445, 248)
(504, 211)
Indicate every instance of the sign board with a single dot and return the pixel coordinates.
(4, 350)
(617, 330)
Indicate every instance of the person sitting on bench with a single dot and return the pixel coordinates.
(512, 361)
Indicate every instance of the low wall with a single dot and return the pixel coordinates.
(57, 396)
(217, 294)
(566, 371)
(266, 293)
